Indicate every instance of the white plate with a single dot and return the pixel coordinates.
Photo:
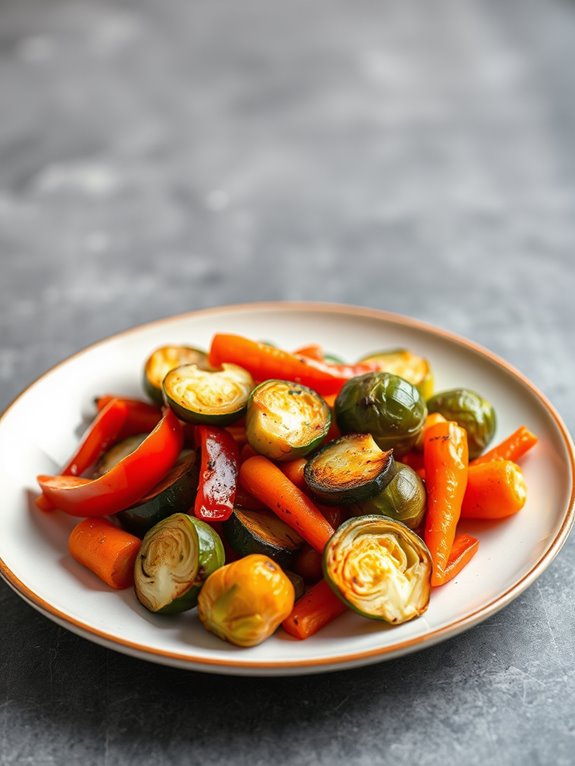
(40, 429)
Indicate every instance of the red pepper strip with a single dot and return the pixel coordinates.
(218, 474)
(313, 351)
(102, 433)
(125, 483)
(141, 418)
(463, 550)
(264, 362)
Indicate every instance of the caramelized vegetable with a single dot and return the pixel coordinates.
(245, 601)
(471, 411)
(379, 568)
(383, 405)
(494, 490)
(415, 369)
(163, 360)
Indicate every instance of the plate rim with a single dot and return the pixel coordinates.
(336, 662)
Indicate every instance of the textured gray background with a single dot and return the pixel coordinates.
(157, 157)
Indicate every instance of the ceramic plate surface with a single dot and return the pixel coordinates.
(40, 430)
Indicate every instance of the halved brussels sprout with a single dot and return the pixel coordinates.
(286, 420)
(167, 358)
(348, 470)
(415, 369)
(245, 601)
(403, 499)
(383, 405)
(208, 396)
(471, 411)
(379, 568)
(176, 557)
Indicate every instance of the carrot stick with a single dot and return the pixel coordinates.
(294, 469)
(330, 400)
(511, 448)
(463, 550)
(265, 481)
(264, 362)
(315, 609)
(307, 564)
(494, 490)
(446, 458)
(106, 550)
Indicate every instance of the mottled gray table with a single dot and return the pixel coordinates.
(415, 156)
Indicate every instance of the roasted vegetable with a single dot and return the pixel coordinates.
(471, 411)
(245, 601)
(175, 493)
(494, 490)
(286, 420)
(176, 557)
(400, 361)
(403, 499)
(218, 474)
(383, 405)
(118, 452)
(124, 484)
(262, 532)
(348, 470)
(379, 568)
(167, 358)
(106, 550)
(216, 397)
(446, 461)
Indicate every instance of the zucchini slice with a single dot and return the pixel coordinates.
(118, 452)
(286, 420)
(379, 568)
(174, 494)
(177, 556)
(348, 470)
(208, 396)
(261, 532)
(166, 358)
(415, 369)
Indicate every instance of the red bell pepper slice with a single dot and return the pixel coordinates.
(103, 432)
(218, 474)
(141, 416)
(124, 484)
(264, 362)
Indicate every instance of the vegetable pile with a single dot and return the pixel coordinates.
(272, 488)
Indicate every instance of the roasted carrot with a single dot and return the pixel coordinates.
(315, 609)
(463, 550)
(512, 448)
(445, 455)
(263, 362)
(265, 481)
(430, 420)
(294, 469)
(106, 550)
(307, 564)
(494, 490)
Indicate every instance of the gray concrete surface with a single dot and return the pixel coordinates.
(156, 157)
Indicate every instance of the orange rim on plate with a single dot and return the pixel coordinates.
(348, 659)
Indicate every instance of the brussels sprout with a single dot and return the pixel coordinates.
(379, 568)
(384, 405)
(176, 557)
(403, 499)
(286, 420)
(471, 411)
(245, 601)
(400, 361)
